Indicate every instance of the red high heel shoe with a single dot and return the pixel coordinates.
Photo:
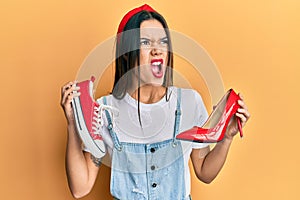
(215, 127)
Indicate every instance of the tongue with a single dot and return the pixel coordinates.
(157, 71)
(155, 68)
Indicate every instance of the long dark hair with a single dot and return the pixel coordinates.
(128, 53)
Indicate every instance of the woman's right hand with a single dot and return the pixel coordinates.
(66, 99)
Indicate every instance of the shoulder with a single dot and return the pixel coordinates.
(108, 99)
(192, 102)
(188, 94)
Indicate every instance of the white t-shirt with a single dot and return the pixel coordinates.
(157, 121)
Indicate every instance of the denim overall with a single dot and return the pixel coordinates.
(148, 171)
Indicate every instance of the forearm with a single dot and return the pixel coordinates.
(76, 165)
(214, 161)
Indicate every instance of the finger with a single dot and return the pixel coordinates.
(77, 94)
(72, 96)
(63, 99)
(242, 117)
(244, 112)
(69, 99)
(72, 89)
(67, 90)
(66, 94)
(241, 96)
(242, 104)
(66, 86)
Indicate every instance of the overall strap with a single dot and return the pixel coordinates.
(177, 115)
(110, 128)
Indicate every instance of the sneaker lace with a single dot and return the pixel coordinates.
(98, 121)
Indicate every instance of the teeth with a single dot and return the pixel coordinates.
(156, 63)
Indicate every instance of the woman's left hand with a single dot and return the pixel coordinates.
(243, 114)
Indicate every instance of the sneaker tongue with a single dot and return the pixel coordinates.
(91, 89)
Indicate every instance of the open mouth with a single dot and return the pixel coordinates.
(156, 67)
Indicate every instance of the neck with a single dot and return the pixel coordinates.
(149, 93)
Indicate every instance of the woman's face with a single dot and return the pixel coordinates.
(153, 52)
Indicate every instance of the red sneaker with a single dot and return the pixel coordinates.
(215, 127)
(88, 118)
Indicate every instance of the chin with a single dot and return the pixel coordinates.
(157, 82)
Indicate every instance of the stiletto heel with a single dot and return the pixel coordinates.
(215, 127)
(240, 127)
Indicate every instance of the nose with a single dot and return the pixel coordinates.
(156, 50)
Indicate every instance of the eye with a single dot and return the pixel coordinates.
(164, 41)
(145, 42)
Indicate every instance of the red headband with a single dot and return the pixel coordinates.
(127, 17)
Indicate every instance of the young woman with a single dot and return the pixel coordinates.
(147, 161)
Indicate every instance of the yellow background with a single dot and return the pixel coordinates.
(255, 45)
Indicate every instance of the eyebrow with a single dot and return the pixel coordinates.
(150, 39)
